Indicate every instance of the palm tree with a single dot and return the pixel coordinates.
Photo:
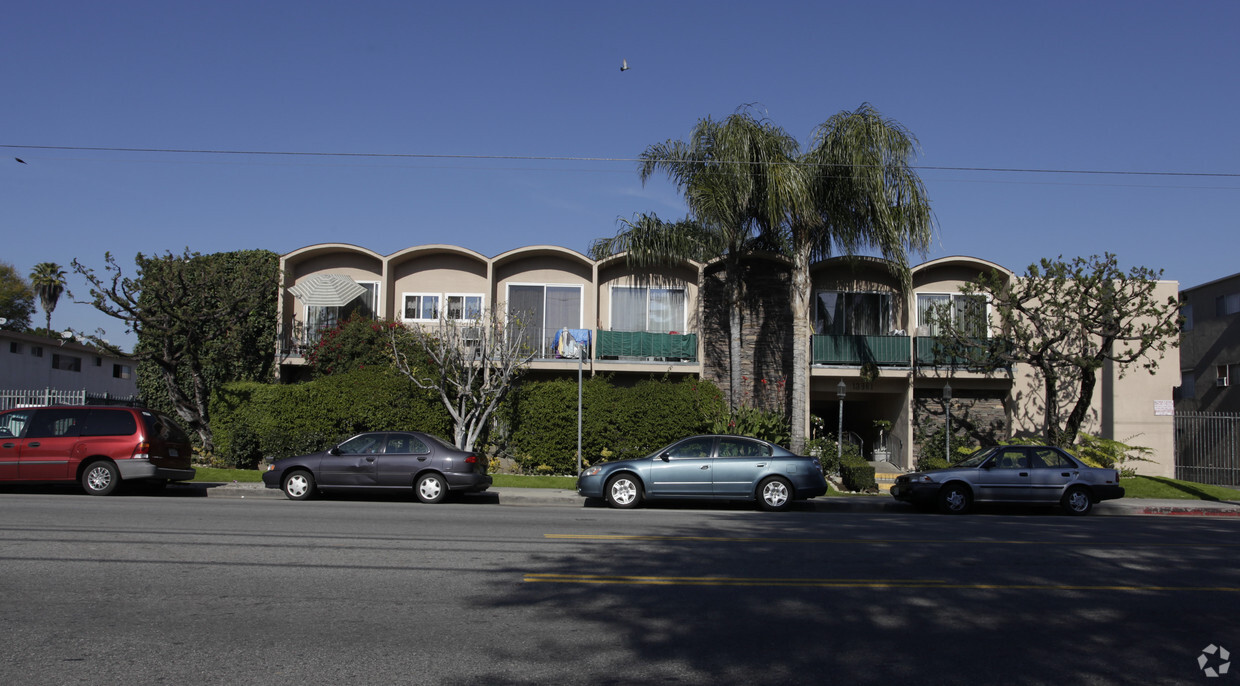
(48, 280)
(738, 178)
(865, 196)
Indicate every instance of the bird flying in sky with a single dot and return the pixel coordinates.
(624, 65)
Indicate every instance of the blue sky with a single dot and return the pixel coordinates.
(1088, 86)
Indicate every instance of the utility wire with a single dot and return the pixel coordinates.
(537, 158)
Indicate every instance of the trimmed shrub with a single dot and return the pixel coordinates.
(618, 422)
(858, 475)
(252, 420)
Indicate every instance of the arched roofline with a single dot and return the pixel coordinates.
(753, 254)
(963, 261)
(318, 249)
(436, 249)
(541, 250)
(612, 260)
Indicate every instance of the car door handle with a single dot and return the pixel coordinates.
(760, 465)
(705, 466)
(1065, 474)
(422, 459)
(1024, 473)
(370, 459)
(8, 445)
(34, 444)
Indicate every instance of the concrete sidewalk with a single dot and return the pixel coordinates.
(553, 497)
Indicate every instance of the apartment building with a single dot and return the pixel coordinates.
(874, 373)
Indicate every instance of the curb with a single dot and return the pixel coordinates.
(876, 504)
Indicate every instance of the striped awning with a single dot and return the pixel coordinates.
(327, 290)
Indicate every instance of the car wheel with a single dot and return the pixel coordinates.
(1077, 501)
(100, 478)
(431, 489)
(623, 492)
(299, 485)
(775, 494)
(955, 499)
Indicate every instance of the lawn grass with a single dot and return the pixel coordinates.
(212, 474)
(1161, 487)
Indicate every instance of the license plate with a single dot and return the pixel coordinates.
(172, 452)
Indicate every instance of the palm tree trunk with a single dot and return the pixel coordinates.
(735, 321)
(801, 342)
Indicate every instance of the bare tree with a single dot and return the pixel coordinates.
(472, 364)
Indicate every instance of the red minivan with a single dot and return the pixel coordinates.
(96, 446)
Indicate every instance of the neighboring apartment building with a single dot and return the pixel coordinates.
(37, 363)
(872, 353)
(1210, 347)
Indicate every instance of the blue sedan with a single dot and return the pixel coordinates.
(722, 467)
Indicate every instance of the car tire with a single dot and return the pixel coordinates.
(100, 478)
(431, 489)
(1077, 501)
(955, 498)
(298, 485)
(623, 492)
(775, 494)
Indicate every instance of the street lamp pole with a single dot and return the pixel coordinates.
(947, 415)
(840, 390)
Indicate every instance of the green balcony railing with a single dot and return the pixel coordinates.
(931, 352)
(665, 346)
(857, 350)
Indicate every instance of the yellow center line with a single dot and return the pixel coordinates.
(847, 583)
(900, 541)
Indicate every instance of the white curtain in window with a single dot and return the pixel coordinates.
(628, 308)
(667, 310)
(928, 304)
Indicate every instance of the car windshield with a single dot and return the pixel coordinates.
(977, 459)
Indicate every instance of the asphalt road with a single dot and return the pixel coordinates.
(183, 590)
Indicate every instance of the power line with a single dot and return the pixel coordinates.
(542, 158)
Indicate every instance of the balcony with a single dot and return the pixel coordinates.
(645, 345)
(887, 351)
(931, 352)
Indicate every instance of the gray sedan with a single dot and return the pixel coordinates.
(1011, 474)
(383, 460)
(723, 467)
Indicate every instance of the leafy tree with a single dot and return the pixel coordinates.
(16, 299)
(201, 320)
(863, 197)
(737, 182)
(48, 280)
(471, 365)
(1066, 319)
(748, 185)
(356, 343)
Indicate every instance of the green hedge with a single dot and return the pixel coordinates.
(251, 421)
(618, 422)
(858, 476)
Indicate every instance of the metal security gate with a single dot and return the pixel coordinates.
(1207, 447)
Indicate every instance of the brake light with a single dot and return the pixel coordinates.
(142, 451)
(472, 459)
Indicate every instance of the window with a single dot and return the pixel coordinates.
(1186, 312)
(68, 363)
(464, 307)
(36, 350)
(1222, 379)
(1049, 458)
(741, 447)
(109, 423)
(56, 422)
(1227, 304)
(841, 313)
(121, 371)
(968, 313)
(421, 307)
(539, 311)
(98, 361)
(637, 308)
(319, 319)
(15, 347)
(694, 447)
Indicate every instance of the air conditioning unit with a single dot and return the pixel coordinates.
(1221, 382)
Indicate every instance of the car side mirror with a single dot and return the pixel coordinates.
(665, 457)
(989, 465)
(335, 450)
